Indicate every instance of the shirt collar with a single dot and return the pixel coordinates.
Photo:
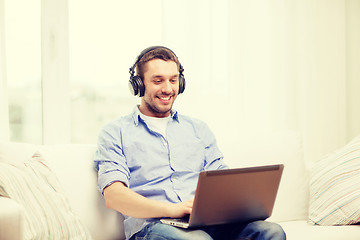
(136, 115)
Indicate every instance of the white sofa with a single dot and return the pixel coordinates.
(73, 166)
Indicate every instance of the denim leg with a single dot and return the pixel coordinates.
(262, 230)
(159, 231)
(258, 230)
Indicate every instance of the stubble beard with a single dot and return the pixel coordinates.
(157, 111)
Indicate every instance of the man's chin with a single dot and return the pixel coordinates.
(164, 109)
(156, 109)
(161, 111)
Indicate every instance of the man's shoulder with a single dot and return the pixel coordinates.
(194, 121)
(118, 123)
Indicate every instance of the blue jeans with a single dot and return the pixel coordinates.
(259, 230)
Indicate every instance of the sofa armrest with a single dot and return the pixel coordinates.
(11, 219)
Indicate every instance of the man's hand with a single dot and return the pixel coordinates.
(180, 210)
(124, 200)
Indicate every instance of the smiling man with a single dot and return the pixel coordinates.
(161, 88)
(148, 162)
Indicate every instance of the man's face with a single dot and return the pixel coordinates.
(161, 80)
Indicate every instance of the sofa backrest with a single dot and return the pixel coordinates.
(73, 166)
(272, 148)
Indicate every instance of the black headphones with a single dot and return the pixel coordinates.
(136, 84)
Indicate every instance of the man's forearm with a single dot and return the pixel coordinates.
(126, 201)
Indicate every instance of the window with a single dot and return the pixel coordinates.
(104, 43)
(67, 62)
(22, 31)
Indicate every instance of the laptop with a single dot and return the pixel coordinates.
(232, 195)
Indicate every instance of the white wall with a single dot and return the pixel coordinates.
(250, 66)
(287, 62)
(353, 67)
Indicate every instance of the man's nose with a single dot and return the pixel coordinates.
(167, 87)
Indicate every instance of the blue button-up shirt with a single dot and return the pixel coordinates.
(159, 168)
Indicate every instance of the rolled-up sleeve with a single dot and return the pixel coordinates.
(109, 159)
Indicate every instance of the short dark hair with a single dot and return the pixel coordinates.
(157, 53)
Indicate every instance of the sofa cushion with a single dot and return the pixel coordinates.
(302, 230)
(73, 164)
(334, 187)
(47, 212)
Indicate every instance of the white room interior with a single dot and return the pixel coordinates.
(277, 81)
(251, 67)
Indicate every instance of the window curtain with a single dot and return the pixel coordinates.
(264, 65)
(250, 66)
(4, 119)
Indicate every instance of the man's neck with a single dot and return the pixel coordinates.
(152, 113)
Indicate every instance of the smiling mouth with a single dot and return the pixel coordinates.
(165, 99)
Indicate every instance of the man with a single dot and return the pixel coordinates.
(148, 162)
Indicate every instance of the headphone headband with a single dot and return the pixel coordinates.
(149, 49)
(136, 84)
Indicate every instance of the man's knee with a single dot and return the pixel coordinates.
(265, 230)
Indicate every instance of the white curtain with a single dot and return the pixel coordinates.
(250, 66)
(4, 124)
(262, 66)
(353, 67)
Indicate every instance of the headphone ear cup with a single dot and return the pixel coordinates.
(141, 86)
(181, 79)
(181, 84)
(136, 86)
(133, 89)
